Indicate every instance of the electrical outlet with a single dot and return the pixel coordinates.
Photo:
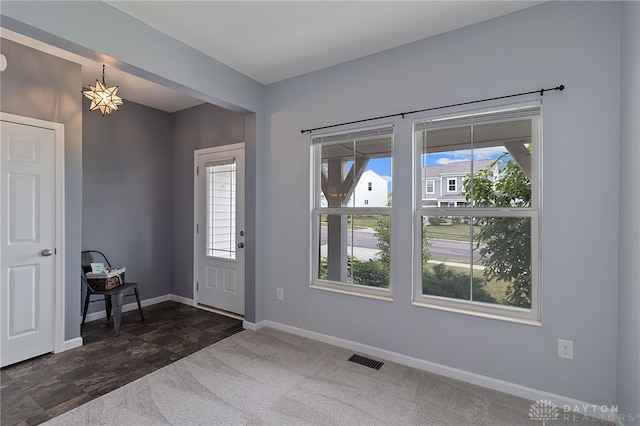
(280, 294)
(565, 348)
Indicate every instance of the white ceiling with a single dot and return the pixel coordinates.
(271, 41)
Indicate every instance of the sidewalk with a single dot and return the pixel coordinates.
(459, 265)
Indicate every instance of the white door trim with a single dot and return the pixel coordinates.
(196, 153)
(59, 308)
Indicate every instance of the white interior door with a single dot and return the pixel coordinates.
(27, 234)
(219, 238)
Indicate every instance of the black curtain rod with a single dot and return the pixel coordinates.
(402, 114)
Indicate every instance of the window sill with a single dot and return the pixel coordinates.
(495, 315)
(354, 290)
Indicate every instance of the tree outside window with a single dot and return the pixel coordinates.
(351, 227)
(482, 239)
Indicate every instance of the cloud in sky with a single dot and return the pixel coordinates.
(444, 161)
(490, 153)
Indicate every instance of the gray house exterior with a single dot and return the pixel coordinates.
(442, 185)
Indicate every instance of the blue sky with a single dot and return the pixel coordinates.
(382, 166)
(443, 158)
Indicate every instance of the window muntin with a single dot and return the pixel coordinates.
(352, 212)
(492, 219)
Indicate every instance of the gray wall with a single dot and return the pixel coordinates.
(629, 285)
(46, 87)
(143, 158)
(195, 128)
(576, 44)
(70, 26)
(254, 288)
(134, 47)
(127, 199)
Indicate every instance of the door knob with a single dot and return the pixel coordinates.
(46, 252)
(240, 245)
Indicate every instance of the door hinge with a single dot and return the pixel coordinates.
(197, 228)
(198, 170)
(197, 286)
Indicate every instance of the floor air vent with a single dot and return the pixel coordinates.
(367, 362)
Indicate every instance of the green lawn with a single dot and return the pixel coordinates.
(457, 232)
(495, 288)
(359, 222)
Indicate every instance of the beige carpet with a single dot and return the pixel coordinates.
(268, 377)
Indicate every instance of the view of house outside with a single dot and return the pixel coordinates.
(448, 257)
(478, 217)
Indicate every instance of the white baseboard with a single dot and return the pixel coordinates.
(565, 405)
(147, 302)
(131, 306)
(252, 325)
(70, 344)
(180, 299)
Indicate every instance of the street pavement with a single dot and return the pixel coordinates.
(365, 246)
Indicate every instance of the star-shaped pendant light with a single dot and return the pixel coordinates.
(102, 97)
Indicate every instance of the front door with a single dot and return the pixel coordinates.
(27, 234)
(219, 238)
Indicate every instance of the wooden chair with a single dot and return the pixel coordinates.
(113, 298)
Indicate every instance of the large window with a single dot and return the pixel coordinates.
(477, 246)
(352, 216)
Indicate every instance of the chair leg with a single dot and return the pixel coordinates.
(116, 303)
(138, 300)
(108, 307)
(86, 307)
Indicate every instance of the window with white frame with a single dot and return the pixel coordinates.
(452, 185)
(477, 250)
(352, 235)
(430, 187)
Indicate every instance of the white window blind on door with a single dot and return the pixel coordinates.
(221, 208)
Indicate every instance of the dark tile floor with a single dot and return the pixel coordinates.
(39, 389)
